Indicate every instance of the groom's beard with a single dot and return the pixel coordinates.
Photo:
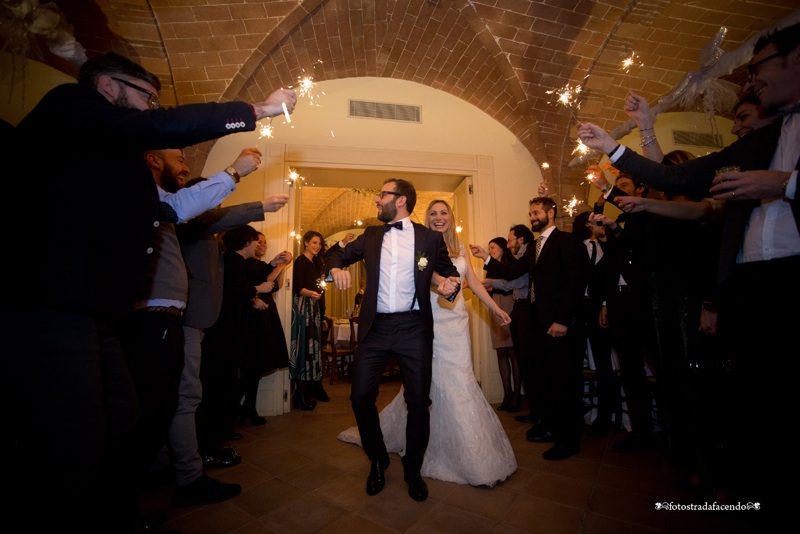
(388, 212)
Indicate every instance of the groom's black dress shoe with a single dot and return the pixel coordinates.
(417, 488)
(561, 451)
(538, 434)
(527, 419)
(376, 479)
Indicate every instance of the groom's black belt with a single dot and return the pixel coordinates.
(396, 314)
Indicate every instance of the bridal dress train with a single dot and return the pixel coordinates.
(467, 445)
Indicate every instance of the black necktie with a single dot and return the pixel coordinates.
(594, 252)
(389, 226)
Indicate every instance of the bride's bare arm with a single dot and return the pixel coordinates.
(477, 288)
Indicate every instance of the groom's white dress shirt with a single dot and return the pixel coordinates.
(396, 287)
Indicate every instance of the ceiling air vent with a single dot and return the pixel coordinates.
(380, 110)
(696, 139)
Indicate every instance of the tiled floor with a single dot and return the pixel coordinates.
(298, 477)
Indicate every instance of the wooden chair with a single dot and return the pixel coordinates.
(336, 358)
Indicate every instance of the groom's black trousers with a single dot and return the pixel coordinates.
(406, 336)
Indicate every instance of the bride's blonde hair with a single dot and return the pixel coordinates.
(450, 236)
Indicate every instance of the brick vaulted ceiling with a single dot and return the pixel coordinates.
(501, 56)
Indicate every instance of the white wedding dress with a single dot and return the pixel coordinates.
(467, 445)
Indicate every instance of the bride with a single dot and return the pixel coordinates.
(467, 445)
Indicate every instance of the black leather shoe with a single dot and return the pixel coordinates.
(527, 419)
(417, 488)
(503, 407)
(376, 479)
(561, 451)
(204, 490)
(635, 442)
(539, 434)
(223, 457)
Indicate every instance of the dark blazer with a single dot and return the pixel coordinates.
(752, 152)
(204, 258)
(96, 202)
(367, 246)
(558, 279)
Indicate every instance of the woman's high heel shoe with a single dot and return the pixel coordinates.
(303, 403)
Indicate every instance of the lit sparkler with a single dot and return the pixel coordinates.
(266, 130)
(567, 96)
(631, 61)
(545, 166)
(572, 205)
(286, 112)
(581, 148)
(294, 176)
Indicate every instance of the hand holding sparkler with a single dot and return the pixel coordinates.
(249, 160)
(274, 202)
(595, 137)
(276, 103)
(597, 177)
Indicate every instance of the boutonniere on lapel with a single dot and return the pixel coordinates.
(422, 260)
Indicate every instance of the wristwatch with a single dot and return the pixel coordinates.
(233, 174)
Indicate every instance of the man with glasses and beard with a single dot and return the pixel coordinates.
(70, 398)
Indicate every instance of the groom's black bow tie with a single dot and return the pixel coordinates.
(389, 226)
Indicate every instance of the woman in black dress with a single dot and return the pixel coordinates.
(265, 348)
(305, 357)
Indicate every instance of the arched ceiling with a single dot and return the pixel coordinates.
(502, 56)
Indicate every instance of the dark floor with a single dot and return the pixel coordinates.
(298, 477)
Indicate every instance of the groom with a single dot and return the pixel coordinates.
(395, 319)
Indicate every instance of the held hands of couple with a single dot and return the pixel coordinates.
(448, 286)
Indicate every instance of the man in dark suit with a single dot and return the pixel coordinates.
(396, 320)
(70, 398)
(558, 280)
(759, 257)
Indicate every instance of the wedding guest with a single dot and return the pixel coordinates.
(100, 214)
(760, 251)
(305, 357)
(558, 267)
(503, 292)
(265, 349)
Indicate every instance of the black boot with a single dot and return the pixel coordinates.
(301, 398)
(318, 392)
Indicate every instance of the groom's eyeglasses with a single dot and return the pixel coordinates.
(384, 193)
(152, 98)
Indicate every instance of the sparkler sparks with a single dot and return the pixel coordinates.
(572, 205)
(545, 166)
(295, 178)
(266, 130)
(581, 148)
(631, 61)
(567, 96)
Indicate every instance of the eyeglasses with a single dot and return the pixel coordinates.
(152, 98)
(751, 68)
(384, 193)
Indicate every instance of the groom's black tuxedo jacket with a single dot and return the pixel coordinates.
(368, 247)
(752, 152)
